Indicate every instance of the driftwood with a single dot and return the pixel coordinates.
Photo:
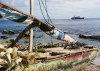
(11, 58)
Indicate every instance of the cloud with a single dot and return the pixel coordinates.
(73, 7)
(62, 8)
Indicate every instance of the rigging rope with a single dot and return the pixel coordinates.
(42, 11)
(48, 17)
(45, 7)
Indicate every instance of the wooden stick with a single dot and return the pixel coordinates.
(31, 30)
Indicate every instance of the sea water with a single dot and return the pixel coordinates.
(74, 27)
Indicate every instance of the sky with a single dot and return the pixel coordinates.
(61, 9)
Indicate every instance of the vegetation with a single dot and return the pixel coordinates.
(42, 50)
(10, 41)
(3, 37)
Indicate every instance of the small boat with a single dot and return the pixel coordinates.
(77, 17)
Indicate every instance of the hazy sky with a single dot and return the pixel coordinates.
(62, 8)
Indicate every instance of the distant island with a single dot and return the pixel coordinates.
(77, 17)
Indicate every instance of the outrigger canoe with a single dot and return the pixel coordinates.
(13, 59)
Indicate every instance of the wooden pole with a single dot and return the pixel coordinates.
(31, 30)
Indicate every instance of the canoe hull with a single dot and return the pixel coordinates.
(66, 62)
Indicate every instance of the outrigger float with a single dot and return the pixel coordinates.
(46, 58)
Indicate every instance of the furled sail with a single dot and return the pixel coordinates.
(13, 14)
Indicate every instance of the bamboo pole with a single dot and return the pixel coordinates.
(31, 30)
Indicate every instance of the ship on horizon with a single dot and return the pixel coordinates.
(77, 17)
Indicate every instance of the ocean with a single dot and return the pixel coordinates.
(82, 26)
(74, 27)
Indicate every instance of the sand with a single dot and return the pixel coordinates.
(92, 67)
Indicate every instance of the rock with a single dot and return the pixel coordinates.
(3, 37)
(66, 32)
(89, 36)
(8, 32)
(1, 16)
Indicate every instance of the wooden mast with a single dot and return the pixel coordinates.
(31, 30)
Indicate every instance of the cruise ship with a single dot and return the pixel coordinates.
(77, 17)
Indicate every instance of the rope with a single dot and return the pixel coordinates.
(45, 7)
(49, 19)
(42, 11)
